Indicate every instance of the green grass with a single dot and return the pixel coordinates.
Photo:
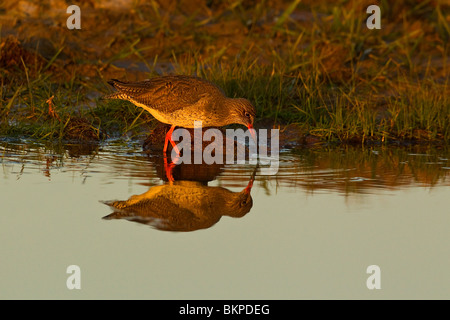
(325, 71)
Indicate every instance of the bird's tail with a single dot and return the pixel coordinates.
(117, 84)
(115, 95)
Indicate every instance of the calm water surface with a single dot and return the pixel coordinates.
(310, 231)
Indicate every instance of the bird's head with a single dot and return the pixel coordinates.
(239, 204)
(243, 112)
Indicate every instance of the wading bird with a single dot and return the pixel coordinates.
(180, 100)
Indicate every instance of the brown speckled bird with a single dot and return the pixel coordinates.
(180, 100)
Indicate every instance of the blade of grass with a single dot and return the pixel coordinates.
(285, 15)
(11, 101)
(53, 59)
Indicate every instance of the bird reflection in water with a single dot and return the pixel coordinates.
(184, 205)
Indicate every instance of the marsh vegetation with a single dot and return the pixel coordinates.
(308, 66)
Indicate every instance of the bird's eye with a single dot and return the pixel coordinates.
(243, 202)
(246, 114)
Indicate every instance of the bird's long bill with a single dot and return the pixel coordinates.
(250, 183)
(252, 132)
(249, 187)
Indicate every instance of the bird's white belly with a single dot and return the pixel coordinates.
(183, 118)
(158, 115)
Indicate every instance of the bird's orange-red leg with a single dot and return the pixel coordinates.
(168, 168)
(169, 138)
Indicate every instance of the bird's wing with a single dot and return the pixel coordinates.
(160, 212)
(158, 206)
(169, 93)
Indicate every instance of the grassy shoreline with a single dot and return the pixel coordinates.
(309, 65)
